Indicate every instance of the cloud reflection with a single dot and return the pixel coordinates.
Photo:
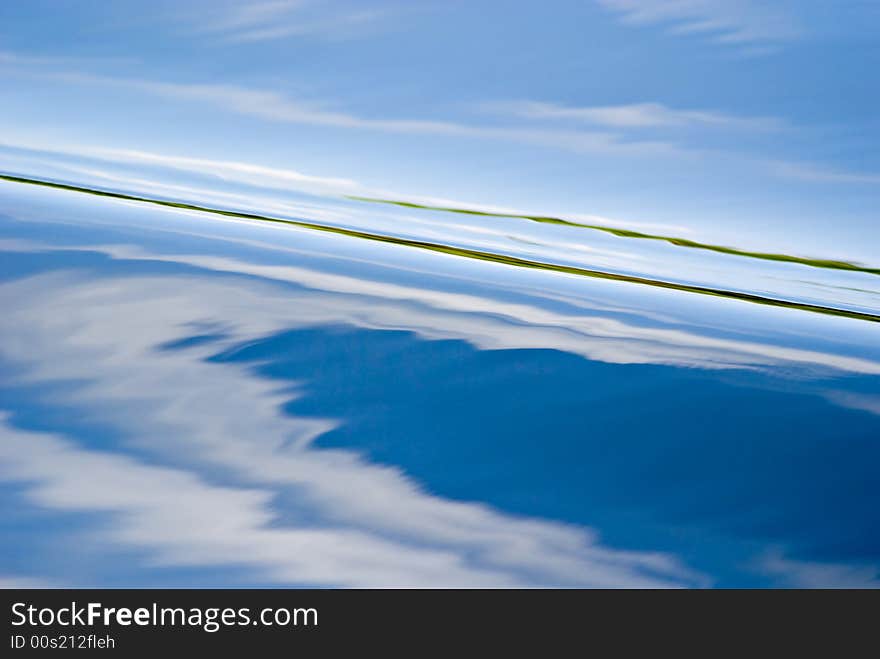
(367, 524)
(202, 466)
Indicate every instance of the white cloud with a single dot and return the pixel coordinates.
(8, 582)
(377, 526)
(25, 60)
(239, 172)
(249, 15)
(97, 176)
(483, 321)
(748, 24)
(274, 106)
(813, 574)
(158, 174)
(269, 20)
(184, 521)
(818, 174)
(28, 60)
(637, 115)
(121, 169)
(855, 401)
(364, 524)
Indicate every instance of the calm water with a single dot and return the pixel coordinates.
(419, 397)
(394, 293)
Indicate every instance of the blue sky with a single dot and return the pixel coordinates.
(746, 123)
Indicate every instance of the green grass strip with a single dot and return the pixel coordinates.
(626, 233)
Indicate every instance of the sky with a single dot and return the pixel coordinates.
(738, 122)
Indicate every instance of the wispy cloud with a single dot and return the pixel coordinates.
(17, 60)
(8, 582)
(810, 574)
(636, 115)
(250, 15)
(748, 24)
(28, 60)
(818, 174)
(855, 401)
(278, 19)
(488, 323)
(151, 174)
(355, 522)
(275, 106)
(239, 172)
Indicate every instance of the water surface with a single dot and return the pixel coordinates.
(190, 397)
